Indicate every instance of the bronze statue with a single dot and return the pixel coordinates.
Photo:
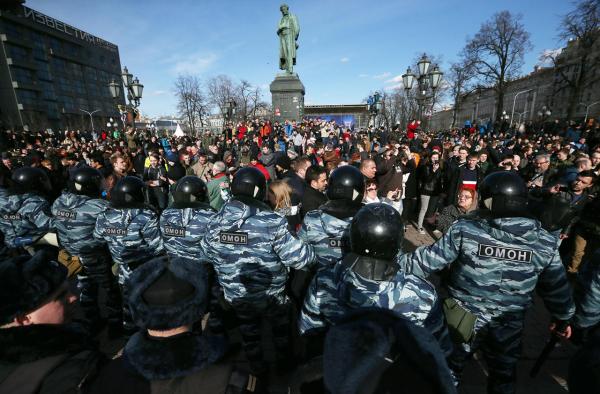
(288, 31)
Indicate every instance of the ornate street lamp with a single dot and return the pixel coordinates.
(115, 89)
(408, 79)
(423, 64)
(428, 81)
(134, 90)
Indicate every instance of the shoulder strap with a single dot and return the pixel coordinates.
(27, 378)
(221, 378)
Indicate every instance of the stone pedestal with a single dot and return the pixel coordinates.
(287, 92)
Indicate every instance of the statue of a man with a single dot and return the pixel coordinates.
(288, 31)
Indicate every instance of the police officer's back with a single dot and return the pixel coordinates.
(326, 229)
(251, 248)
(496, 261)
(75, 212)
(368, 276)
(129, 227)
(24, 211)
(183, 224)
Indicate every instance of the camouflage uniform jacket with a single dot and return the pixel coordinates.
(250, 248)
(329, 236)
(75, 219)
(406, 295)
(495, 265)
(587, 293)
(24, 216)
(183, 229)
(132, 235)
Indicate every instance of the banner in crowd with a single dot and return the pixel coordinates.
(348, 121)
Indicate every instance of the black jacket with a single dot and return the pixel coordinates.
(430, 182)
(312, 200)
(185, 363)
(46, 359)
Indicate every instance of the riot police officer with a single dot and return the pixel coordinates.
(250, 248)
(496, 259)
(183, 224)
(368, 276)
(24, 211)
(326, 229)
(130, 228)
(75, 212)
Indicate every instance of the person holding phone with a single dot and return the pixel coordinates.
(429, 176)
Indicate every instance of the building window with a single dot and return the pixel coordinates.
(43, 71)
(28, 97)
(17, 53)
(22, 75)
(11, 30)
(39, 50)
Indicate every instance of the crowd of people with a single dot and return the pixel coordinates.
(298, 224)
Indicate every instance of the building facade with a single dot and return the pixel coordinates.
(543, 93)
(53, 75)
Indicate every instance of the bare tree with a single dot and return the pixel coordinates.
(191, 101)
(459, 77)
(497, 52)
(221, 89)
(256, 102)
(580, 28)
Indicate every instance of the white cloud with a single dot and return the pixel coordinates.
(393, 87)
(158, 92)
(396, 79)
(193, 63)
(382, 75)
(345, 59)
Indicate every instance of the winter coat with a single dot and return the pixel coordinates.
(45, 359)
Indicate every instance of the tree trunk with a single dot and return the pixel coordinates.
(500, 102)
(575, 91)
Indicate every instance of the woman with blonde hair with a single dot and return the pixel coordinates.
(279, 195)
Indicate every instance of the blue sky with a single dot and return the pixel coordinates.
(347, 48)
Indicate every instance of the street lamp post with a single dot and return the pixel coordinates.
(374, 106)
(134, 92)
(587, 109)
(111, 123)
(544, 113)
(91, 118)
(427, 82)
(520, 114)
(230, 109)
(512, 114)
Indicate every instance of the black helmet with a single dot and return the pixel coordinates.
(128, 192)
(86, 181)
(31, 180)
(376, 231)
(190, 189)
(346, 183)
(504, 193)
(250, 182)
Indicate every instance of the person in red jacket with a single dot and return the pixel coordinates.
(258, 165)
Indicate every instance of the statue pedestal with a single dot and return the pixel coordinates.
(287, 92)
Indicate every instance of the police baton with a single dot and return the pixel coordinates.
(561, 326)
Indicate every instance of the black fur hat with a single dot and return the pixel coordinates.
(167, 293)
(27, 282)
(372, 351)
